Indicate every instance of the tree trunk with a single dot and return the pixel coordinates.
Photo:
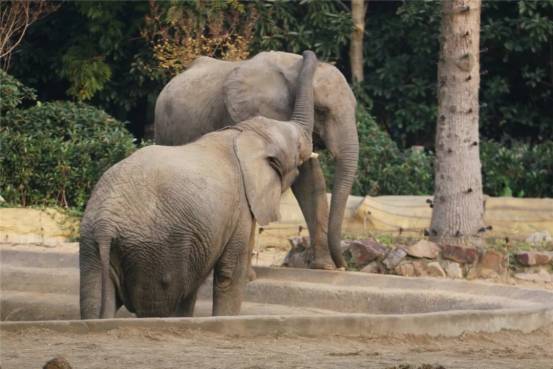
(458, 214)
(358, 9)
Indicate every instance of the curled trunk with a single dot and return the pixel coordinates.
(304, 109)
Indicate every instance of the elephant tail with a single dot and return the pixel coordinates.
(104, 249)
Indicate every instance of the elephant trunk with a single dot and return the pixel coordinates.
(304, 110)
(346, 157)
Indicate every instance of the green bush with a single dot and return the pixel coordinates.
(53, 153)
(13, 92)
(517, 169)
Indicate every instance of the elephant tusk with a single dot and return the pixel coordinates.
(313, 155)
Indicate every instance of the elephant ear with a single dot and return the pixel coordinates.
(254, 89)
(261, 177)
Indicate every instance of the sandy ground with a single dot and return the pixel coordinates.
(131, 348)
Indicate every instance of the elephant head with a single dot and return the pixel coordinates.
(270, 153)
(266, 85)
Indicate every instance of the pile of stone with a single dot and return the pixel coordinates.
(427, 259)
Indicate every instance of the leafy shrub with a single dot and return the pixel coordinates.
(53, 153)
(13, 92)
(517, 169)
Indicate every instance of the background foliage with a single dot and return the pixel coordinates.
(116, 56)
(53, 153)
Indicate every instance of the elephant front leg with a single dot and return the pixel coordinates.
(231, 272)
(310, 191)
(187, 304)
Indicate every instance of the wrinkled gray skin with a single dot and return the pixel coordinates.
(159, 221)
(212, 94)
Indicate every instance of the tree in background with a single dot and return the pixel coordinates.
(180, 32)
(358, 10)
(458, 212)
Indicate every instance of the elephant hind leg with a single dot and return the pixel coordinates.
(231, 270)
(90, 293)
(91, 285)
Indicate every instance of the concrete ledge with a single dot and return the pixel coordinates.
(448, 324)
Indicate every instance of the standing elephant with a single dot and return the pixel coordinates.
(212, 94)
(159, 221)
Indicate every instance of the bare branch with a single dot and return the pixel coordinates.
(15, 18)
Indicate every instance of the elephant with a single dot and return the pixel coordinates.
(212, 93)
(158, 222)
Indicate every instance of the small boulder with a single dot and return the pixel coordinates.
(364, 251)
(373, 267)
(298, 256)
(57, 363)
(394, 257)
(434, 269)
(301, 242)
(423, 249)
(420, 268)
(460, 254)
(494, 260)
(533, 258)
(539, 237)
(454, 270)
(405, 269)
(541, 276)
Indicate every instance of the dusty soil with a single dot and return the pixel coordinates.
(132, 348)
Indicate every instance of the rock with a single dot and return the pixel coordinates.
(57, 363)
(539, 237)
(295, 259)
(541, 276)
(301, 242)
(454, 270)
(493, 260)
(373, 267)
(434, 269)
(533, 258)
(298, 256)
(394, 257)
(405, 269)
(486, 273)
(420, 268)
(364, 251)
(344, 245)
(423, 249)
(460, 254)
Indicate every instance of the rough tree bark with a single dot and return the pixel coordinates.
(458, 209)
(358, 10)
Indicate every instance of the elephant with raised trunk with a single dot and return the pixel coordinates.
(160, 221)
(212, 94)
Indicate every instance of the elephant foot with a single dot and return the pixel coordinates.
(322, 263)
(252, 276)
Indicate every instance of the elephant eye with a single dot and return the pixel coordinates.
(276, 165)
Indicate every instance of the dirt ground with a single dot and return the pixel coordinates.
(132, 348)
